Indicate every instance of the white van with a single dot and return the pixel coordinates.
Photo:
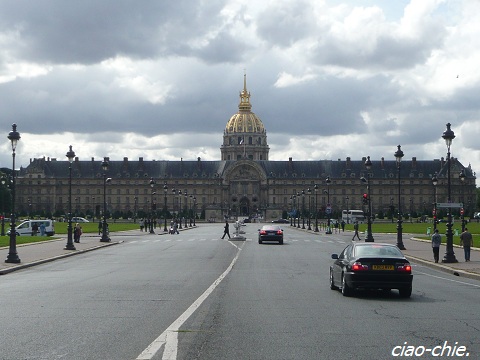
(25, 227)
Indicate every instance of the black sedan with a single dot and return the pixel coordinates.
(281, 221)
(371, 266)
(270, 233)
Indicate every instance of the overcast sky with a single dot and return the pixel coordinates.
(160, 79)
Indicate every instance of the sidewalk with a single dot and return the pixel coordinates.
(41, 252)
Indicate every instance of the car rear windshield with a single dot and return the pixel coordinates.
(377, 250)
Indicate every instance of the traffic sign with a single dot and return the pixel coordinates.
(449, 205)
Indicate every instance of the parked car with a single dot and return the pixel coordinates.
(79, 219)
(371, 266)
(281, 221)
(270, 233)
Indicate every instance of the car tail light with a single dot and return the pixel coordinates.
(405, 268)
(263, 232)
(357, 266)
(279, 232)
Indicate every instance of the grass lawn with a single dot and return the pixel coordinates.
(420, 229)
(61, 229)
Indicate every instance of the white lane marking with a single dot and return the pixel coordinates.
(444, 278)
(169, 337)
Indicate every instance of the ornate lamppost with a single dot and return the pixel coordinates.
(291, 210)
(462, 177)
(105, 165)
(165, 189)
(135, 204)
(309, 191)
(448, 136)
(190, 210)
(186, 207)
(398, 156)
(347, 198)
(70, 155)
(12, 257)
(329, 206)
(316, 207)
(180, 208)
(303, 209)
(294, 210)
(434, 183)
(152, 205)
(194, 209)
(368, 166)
(298, 205)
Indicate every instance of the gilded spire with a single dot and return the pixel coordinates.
(245, 97)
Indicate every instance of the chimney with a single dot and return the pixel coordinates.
(382, 162)
(349, 163)
(414, 162)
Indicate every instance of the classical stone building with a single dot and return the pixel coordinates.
(243, 183)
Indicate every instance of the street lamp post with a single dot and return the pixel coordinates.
(135, 204)
(347, 198)
(368, 166)
(329, 206)
(291, 210)
(309, 191)
(165, 189)
(448, 136)
(190, 211)
(12, 257)
(303, 209)
(316, 207)
(434, 183)
(105, 165)
(294, 210)
(70, 155)
(194, 209)
(462, 177)
(298, 205)
(152, 205)
(398, 156)
(186, 207)
(180, 210)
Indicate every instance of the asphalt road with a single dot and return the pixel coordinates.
(195, 296)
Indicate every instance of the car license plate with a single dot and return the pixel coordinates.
(383, 267)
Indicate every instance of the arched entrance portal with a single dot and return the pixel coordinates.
(244, 206)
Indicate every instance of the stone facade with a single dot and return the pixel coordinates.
(243, 183)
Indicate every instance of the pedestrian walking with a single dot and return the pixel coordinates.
(355, 227)
(466, 240)
(343, 226)
(100, 227)
(226, 230)
(142, 224)
(436, 242)
(77, 231)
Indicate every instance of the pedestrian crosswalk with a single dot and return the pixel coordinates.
(190, 240)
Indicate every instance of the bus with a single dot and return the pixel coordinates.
(350, 216)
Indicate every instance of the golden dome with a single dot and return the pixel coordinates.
(245, 121)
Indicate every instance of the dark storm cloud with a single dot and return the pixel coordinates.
(90, 31)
